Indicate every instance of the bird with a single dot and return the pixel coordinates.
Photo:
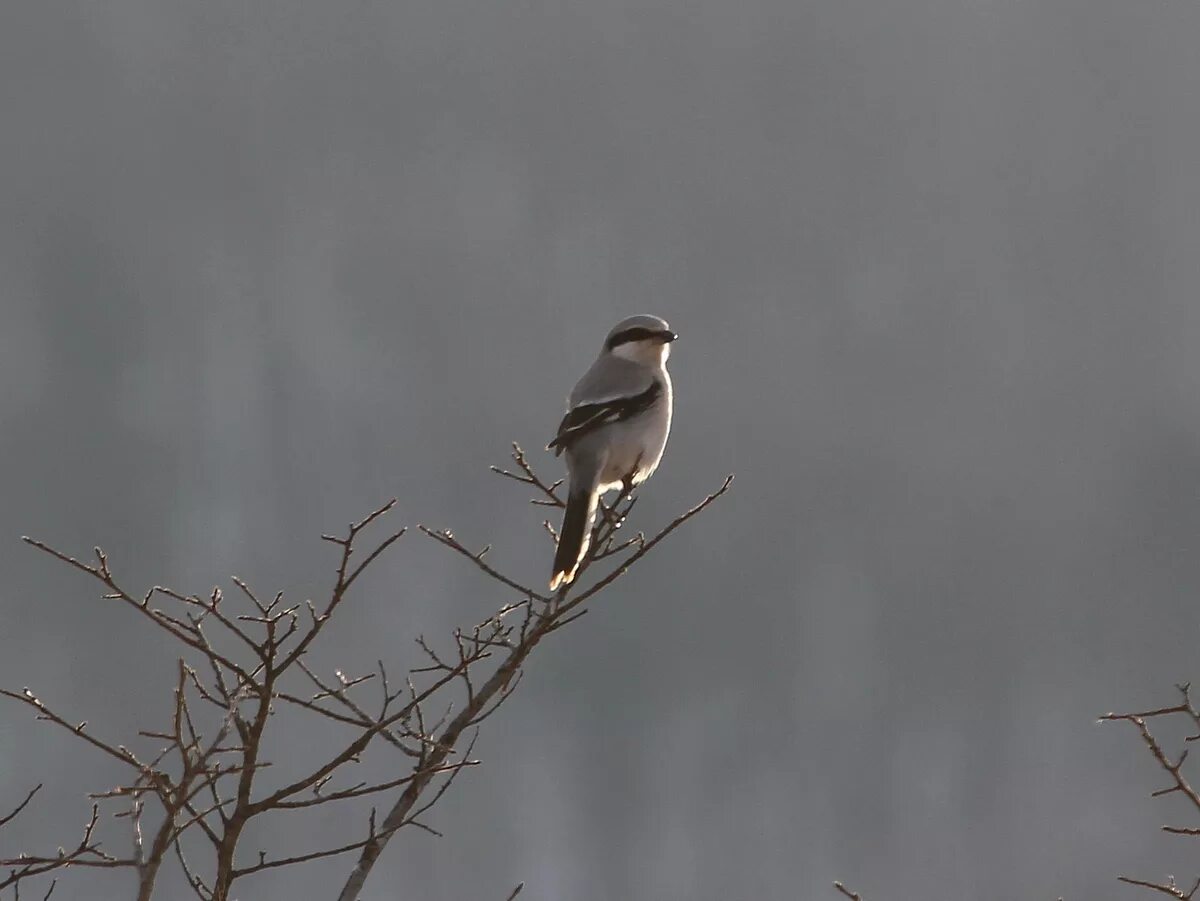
(614, 431)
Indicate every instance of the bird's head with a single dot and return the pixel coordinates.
(642, 339)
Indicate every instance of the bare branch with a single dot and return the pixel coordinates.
(206, 781)
(497, 687)
(1167, 888)
(361, 790)
(264, 864)
(178, 630)
(16, 810)
(198, 886)
(446, 537)
(549, 491)
(117, 752)
(649, 545)
(1174, 768)
(86, 854)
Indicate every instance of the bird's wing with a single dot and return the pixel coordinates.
(609, 392)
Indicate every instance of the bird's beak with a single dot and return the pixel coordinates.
(667, 337)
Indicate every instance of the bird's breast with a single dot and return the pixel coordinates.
(636, 446)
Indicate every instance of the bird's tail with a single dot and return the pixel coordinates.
(574, 536)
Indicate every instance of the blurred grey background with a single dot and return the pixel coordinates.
(265, 265)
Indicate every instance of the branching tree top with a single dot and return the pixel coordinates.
(244, 661)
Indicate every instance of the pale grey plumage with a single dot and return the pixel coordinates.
(615, 429)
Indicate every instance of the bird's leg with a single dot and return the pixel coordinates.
(611, 516)
(627, 486)
(625, 493)
(627, 482)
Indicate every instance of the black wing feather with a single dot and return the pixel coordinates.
(586, 418)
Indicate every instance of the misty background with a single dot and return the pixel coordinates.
(934, 264)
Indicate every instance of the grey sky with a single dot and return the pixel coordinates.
(263, 266)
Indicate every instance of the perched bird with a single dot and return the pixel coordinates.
(616, 427)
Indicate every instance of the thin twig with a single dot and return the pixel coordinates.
(29, 797)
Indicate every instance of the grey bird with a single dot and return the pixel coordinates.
(616, 427)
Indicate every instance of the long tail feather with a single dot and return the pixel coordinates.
(573, 537)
